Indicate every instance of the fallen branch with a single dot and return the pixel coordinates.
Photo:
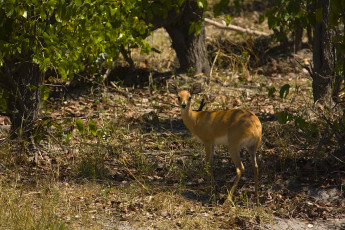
(235, 28)
(107, 73)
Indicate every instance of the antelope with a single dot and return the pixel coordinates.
(235, 128)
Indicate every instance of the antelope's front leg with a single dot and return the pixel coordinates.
(209, 158)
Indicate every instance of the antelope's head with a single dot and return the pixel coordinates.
(184, 96)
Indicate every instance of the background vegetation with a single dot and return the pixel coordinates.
(97, 142)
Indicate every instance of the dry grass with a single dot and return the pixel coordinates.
(145, 171)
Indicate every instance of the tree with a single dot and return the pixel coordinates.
(323, 52)
(59, 36)
(24, 94)
(328, 49)
(190, 46)
(64, 37)
(184, 23)
(326, 18)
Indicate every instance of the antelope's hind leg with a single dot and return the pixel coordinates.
(252, 152)
(234, 151)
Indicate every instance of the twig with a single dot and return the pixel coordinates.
(32, 193)
(214, 62)
(235, 28)
(337, 158)
(306, 67)
(135, 178)
(2, 165)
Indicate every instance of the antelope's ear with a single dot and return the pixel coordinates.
(173, 88)
(196, 88)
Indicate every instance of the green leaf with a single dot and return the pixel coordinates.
(200, 4)
(191, 28)
(80, 126)
(99, 134)
(113, 11)
(227, 19)
(31, 87)
(271, 91)
(301, 123)
(195, 27)
(93, 127)
(44, 92)
(284, 90)
(78, 2)
(283, 117)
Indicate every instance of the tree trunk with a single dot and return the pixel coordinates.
(323, 55)
(23, 80)
(297, 39)
(190, 47)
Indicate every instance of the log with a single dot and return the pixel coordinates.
(235, 28)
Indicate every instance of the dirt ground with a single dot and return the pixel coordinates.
(140, 168)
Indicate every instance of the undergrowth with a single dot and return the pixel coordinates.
(120, 157)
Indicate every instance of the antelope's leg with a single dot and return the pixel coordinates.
(209, 158)
(235, 156)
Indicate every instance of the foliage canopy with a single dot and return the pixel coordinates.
(288, 15)
(64, 35)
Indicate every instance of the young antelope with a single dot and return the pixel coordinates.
(235, 128)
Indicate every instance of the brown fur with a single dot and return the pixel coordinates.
(236, 128)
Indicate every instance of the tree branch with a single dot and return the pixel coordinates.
(235, 28)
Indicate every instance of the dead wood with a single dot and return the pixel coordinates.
(235, 28)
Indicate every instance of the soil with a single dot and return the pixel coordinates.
(147, 151)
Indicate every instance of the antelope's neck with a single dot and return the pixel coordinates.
(189, 118)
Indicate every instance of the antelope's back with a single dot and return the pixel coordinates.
(236, 124)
